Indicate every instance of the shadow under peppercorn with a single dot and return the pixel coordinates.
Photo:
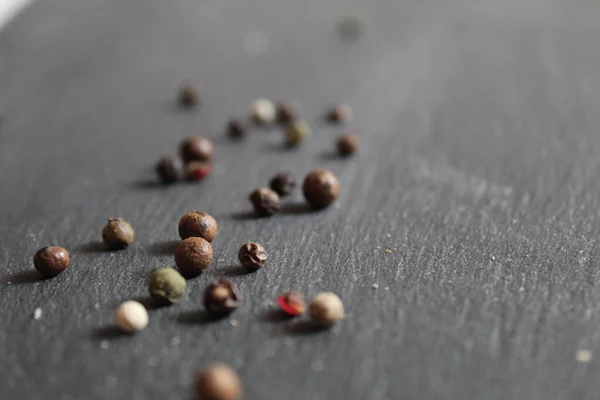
(199, 317)
(108, 332)
(163, 248)
(275, 315)
(236, 270)
(93, 247)
(24, 277)
(297, 208)
(302, 328)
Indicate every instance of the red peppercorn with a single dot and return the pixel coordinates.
(292, 303)
(196, 171)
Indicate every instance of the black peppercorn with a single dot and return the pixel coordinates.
(286, 112)
(265, 201)
(340, 113)
(252, 256)
(221, 297)
(347, 144)
(198, 224)
(237, 128)
(51, 260)
(196, 148)
(320, 188)
(188, 96)
(170, 169)
(283, 183)
(117, 234)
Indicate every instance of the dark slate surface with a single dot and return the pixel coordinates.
(478, 170)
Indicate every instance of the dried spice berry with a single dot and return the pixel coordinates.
(326, 309)
(197, 171)
(193, 255)
(237, 128)
(283, 183)
(196, 148)
(296, 132)
(167, 286)
(340, 113)
(252, 256)
(265, 201)
(188, 96)
(221, 297)
(169, 169)
(347, 144)
(117, 234)
(198, 224)
(51, 260)
(292, 303)
(131, 316)
(286, 112)
(320, 188)
(263, 111)
(218, 382)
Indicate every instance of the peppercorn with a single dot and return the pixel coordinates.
(286, 112)
(188, 96)
(131, 316)
(326, 309)
(167, 286)
(320, 188)
(197, 170)
(351, 26)
(221, 297)
(252, 256)
(117, 234)
(296, 132)
(236, 128)
(169, 169)
(340, 113)
(292, 303)
(193, 255)
(347, 144)
(51, 260)
(198, 224)
(263, 111)
(218, 382)
(196, 148)
(283, 183)
(265, 201)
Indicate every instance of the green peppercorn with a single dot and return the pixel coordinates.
(167, 286)
(296, 132)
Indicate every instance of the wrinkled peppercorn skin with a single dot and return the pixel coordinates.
(265, 202)
(221, 297)
(283, 184)
(252, 256)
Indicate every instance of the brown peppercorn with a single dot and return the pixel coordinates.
(292, 303)
(188, 96)
(320, 188)
(252, 256)
(265, 201)
(283, 183)
(221, 297)
(117, 234)
(197, 171)
(51, 260)
(237, 128)
(196, 148)
(347, 144)
(286, 112)
(218, 382)
(326, 309)
(340, 113)
(193, 255)
(169, 169)
(198, 224)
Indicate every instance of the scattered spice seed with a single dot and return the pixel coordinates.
(265, 202)
(296, 132)
(286, 112)
(51, 260)
(167, 286)
(388, 251)
(347, 144)
(263, 111)
(169, 169)
(218, 382)
(117, 234)
(193, 255)
(252, 256)
(197, 171)
(196, 148)
(188, 96)
(583, 356)
(326, 309)
(340, 113)
(37, 313)
(221, 297)
(236, 128)
(131, 316)
(292, 303)
(234, 322)
(283, 183)
(320, 188)
(198, 224)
